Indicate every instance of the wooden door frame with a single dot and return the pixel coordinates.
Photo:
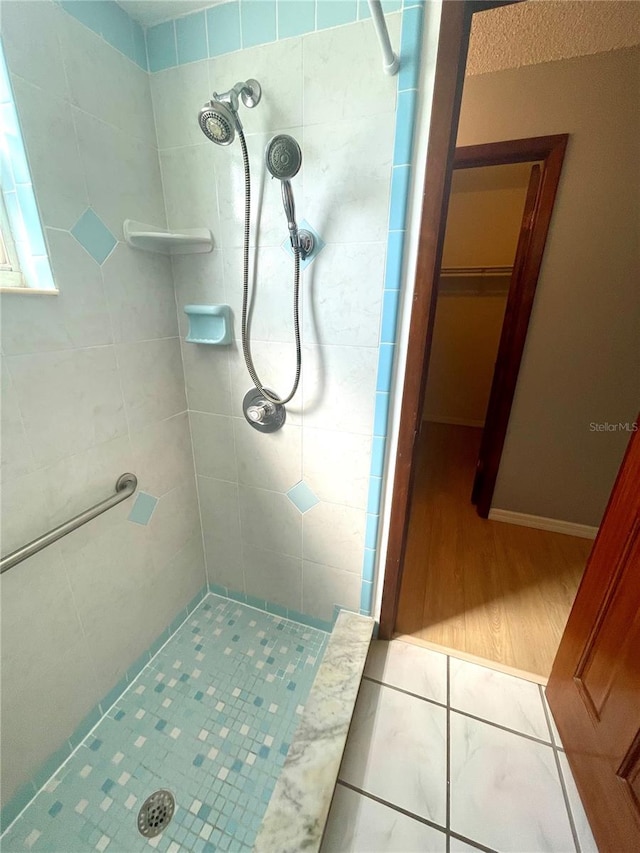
(453, 43)
(549, 151)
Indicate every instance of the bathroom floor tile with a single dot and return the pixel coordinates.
(505, 790)
(210, 718)
(583, 830)
(499, 698)
(396, 750)
(412, 668)
(358, 824)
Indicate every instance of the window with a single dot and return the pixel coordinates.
(24, 262)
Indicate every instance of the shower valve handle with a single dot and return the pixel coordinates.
(258, 414)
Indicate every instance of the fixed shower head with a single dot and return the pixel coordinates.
(218, 122)
(283, 157)
(219, 117)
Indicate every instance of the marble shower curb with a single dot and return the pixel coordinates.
(299, 806)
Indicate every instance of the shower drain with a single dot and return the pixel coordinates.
(156, 813)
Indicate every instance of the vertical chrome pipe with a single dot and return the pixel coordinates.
(390, 62)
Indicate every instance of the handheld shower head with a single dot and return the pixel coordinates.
(219, 117)
(283, 159)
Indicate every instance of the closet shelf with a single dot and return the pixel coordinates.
(481, 272)
(151, 239)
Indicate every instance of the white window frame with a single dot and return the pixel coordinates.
(10, 273)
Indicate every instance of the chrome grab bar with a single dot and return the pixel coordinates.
(126, 485)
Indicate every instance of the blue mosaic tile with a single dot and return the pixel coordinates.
(296, 17)
(302, 496)
(203, 736)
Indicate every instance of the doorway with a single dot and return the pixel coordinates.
(482, 587)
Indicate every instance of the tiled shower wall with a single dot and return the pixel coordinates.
(302, 550)
(92, 386)
(93, 380)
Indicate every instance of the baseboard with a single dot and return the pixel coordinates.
(555, 525)
(454, 421)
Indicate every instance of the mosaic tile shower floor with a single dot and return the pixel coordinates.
(210, 719)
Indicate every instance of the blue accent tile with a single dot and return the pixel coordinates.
(92, 718)
(258, 701)
(95, 744)
(219, 590)
(386, 354)
(390, 303)
(399, 194)
(107, 785)
(366, 597)
(369, 564)
(393, 268)
(237, 766)
(116, 28)
(333, 13)
(94, 236)
(302, 496)
(318, 245)
(204, 811)
(258, 22)
(191, 38)
(157, 644)
(387, 6)
(198, 761)
(377, 456)
(88, 13)
(277, 609)
(405, 114)
(161, 46)
(375, 494)
(296, 17)
(113, 695)
(223, 28)
(143, 508)
(161, 725)
(119, 715)
(264, 751)
(381, 414)
(137, 666)
(56, 808)
(237, 596)
(139, 45)
(410, 42)
(252, 601)
(46, 770)
(371, 532)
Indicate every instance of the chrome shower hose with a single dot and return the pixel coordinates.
(246, 346)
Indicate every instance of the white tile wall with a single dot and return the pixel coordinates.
(92, 385)
(321, 89)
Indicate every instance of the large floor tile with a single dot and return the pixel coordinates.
(358, 824)
(505, 790)
(396, 750)
(583, 830)
(499, 698)
(410, 668)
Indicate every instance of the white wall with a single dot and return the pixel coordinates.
(92, 386)
(581, 360)
(313, 561)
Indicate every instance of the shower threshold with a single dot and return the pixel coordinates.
(210, 719)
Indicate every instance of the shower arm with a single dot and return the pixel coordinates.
(390, 61)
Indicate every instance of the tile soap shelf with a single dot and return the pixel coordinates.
(151, 239)
(209, 324)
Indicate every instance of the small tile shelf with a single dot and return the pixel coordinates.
(151, 239)
(209, 324)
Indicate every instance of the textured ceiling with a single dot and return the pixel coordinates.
(546, 30)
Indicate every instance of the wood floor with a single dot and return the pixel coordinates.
(486, 588)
